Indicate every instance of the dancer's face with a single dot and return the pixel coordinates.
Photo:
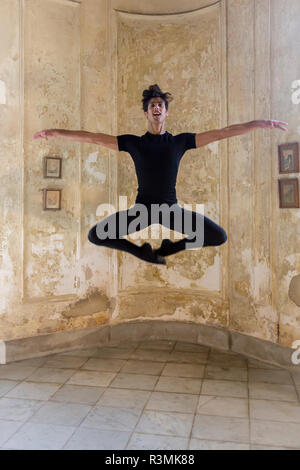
(157, 112)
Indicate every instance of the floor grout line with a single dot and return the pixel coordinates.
(248, 402)
(144, 408)
(193, 423)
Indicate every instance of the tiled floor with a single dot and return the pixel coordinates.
(148, 395)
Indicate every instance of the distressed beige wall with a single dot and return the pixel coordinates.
(84, 65)
(55, 69)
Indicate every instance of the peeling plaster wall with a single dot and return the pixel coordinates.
(84, 65)
(286, 222)
(264, 240)
(252, 308)
(54, 71)
(11, 158)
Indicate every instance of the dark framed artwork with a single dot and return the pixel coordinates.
(52, 199)
(288, 158)
(288, 193)
(52, 167)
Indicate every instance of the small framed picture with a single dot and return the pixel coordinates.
(288, 193)
(288, 155)
(52, 199)
(52, 167)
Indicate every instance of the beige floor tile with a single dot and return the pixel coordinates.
(226, 373)
(78, 394)
(224, 388)
(265, 391)
(16, 409)
(122, 398)
(182, 357)
(201, 444)
(134, 381)
(178, 385)
(183, 370)
(15, 371)
(47, 374)
(296, 377)
(150, 355)
(275, 410)
(275, 433)
(6, 386)
(107, 365)
(88, 352)
(7, 429)
(65, 362)
(111, 418)
(226, 360)
(33, 362)
(270, 376)
(257, 447)
(143, 367)
(114, 353)
(224, 352)
(33, 436)
(223, 406)
(180, 402)
(219, 428)
(92, 378)
(94, 439)
(141, 441)
(143, 395)
(160, 422)
(33, 391)
(66, 414)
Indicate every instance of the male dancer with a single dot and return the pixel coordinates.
(156, 156)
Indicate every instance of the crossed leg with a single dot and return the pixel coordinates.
(200, 229)
(110, 233)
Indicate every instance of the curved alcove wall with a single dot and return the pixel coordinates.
(220, 339)
(84, 64)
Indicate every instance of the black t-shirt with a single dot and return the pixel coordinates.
(156, 158)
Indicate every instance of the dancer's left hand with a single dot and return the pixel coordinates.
(269, 124)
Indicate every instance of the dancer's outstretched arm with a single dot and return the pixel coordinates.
(105, 140)
(205, 138)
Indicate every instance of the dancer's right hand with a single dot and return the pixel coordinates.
(44, 134)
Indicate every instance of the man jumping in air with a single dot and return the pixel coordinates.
(156, 156)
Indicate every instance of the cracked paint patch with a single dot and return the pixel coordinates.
(90, 168)
(214, 147)
(95, 302)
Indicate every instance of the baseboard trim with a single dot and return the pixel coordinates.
(207, 335)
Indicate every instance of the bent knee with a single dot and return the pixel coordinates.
(222, 237)
(92, 235)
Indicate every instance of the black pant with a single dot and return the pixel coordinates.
(201, 230)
